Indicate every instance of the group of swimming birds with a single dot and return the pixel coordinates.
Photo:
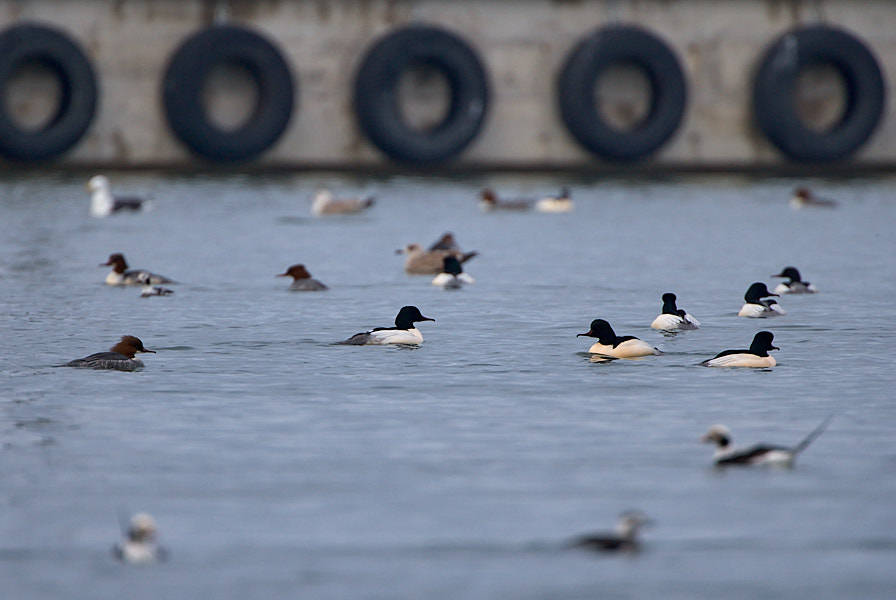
(444, 258)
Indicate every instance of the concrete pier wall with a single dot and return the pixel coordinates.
(522, 44)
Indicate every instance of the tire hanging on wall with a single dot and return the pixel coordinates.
(185, 78)
(776, 78)
(619, 45)
(376, 95)
(53, 49)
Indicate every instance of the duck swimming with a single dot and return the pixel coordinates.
(609, 344)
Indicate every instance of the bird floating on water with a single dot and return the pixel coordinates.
(726, 454)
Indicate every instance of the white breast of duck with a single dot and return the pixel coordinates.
(452, 275)
(556, 204)
(609, 344)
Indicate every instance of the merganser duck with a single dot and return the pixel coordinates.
(803, 197)
(759, 454)
(404, 331)
(120, 357)
(302, 280)
(103, 203)
(326, 204)
(488, 200)
(758, 304)
(120, 275)
(672, 317)
(608, 344)
(624, 539)
(139, 546)
(452, 275)
(149, 289)
(430, 262)
(757, 356)
(795, 285)
(556, 204)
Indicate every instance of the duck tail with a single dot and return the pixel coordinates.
(811, 437)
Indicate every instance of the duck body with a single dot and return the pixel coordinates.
(624, 539)
(489, 201)
(404, 331)
(556, 204)
(759, 304)
(756, 356)
(726, 454)
(121, 275)
(804, 198)
(431, 261)
(302, 280)
(150, 290)
(325, 203)
(120, 357)
(139, 546)
(795, 284)
(673, 318)
(609, 344)
(452, 275)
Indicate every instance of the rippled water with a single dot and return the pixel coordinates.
(280, 465)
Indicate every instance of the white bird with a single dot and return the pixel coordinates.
(452, 276)
(759, 304)
(556, 204)
(672, 317)
(325, 203)
(139, 546)
(795, 285)
(756, 357)
(103, 203)
(609, 344)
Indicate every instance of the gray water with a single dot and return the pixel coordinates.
(280, 465)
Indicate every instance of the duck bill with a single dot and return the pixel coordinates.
(147, 350)
(588, 333)
(426, 319)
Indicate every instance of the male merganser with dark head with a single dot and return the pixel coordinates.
(139, 546)
(555, 204)
(103, 203)
(120, 275)
(759, 454)
(149, 289)
(803, 197)
(404, 331)
(326, 204)
(425, 262)
(673, 318)
(488, 200)
(452, 276)
(120, 357)
(624, 539)
(757, 356)
(302, 280)
(608, 344)
(795, 285)
(758, 304)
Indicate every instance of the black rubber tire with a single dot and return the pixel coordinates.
(185, 79)
(78, 99)
(773, 90)
(590, 58)
(376, 98)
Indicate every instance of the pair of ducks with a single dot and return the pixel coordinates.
(122, 356)
(562, 202)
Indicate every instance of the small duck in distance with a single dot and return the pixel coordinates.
(302, 280)
(673, 318)
(404, 331)
(624, 539)
(758, 303)
(139, 545)
(726, 454)
(804, 198)
(756, 357)
(121, 275)
(609, 344)
(149, 290)
(120, 357)
(488, 201)
(452, 276)
(325, 203)
(795, 285)
(430, 262)
(103, 203)
(562, 202)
